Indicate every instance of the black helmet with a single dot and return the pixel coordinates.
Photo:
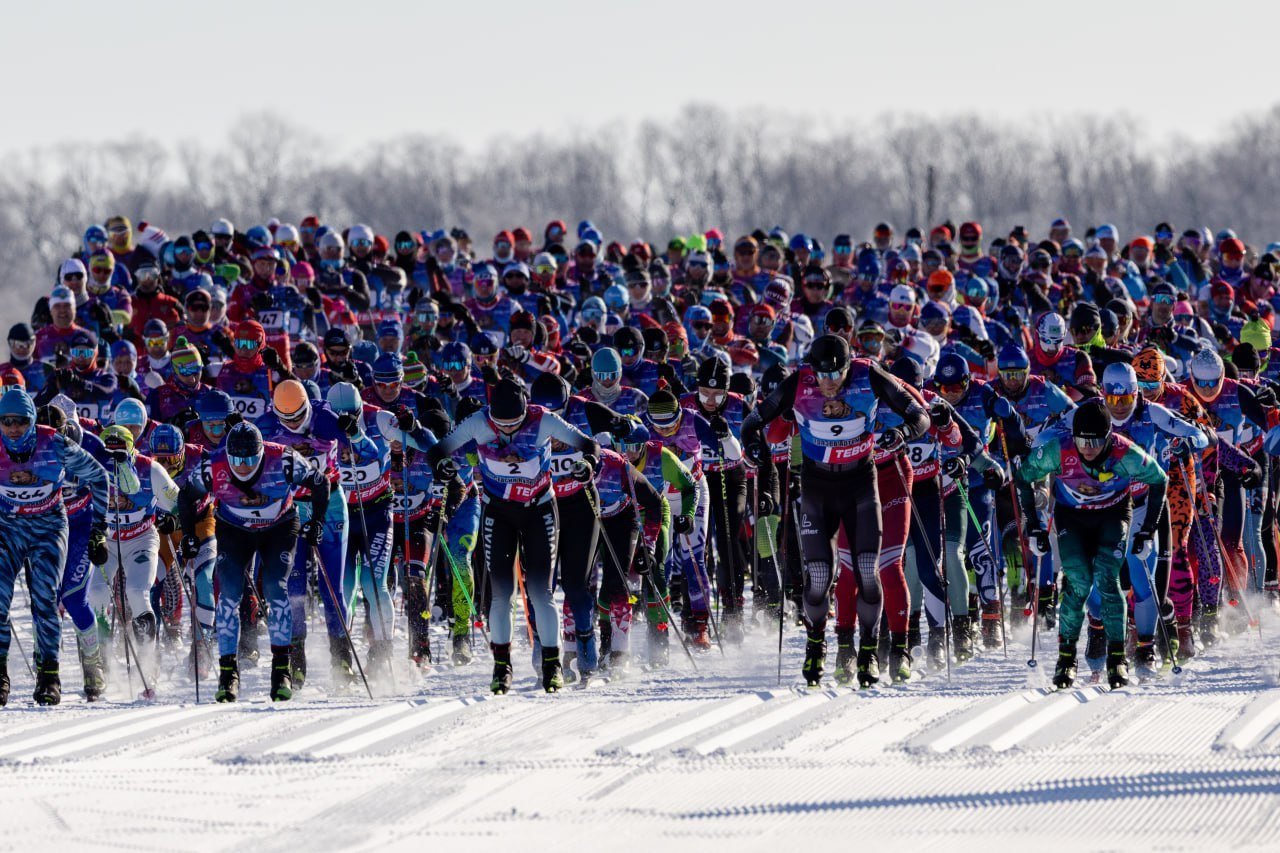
(742, 383)
(244, 440)
(507, 402)
(550, 391)
(829, 354)
(713, 373)
(655, 340)
(628, 338)
(908, 370)
(1091, 423)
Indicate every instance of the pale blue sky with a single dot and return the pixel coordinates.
(361, 70)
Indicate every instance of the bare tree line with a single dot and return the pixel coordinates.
(705, 168)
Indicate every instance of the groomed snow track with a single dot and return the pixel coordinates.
(662, 761)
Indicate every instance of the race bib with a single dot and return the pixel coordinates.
(251, 408)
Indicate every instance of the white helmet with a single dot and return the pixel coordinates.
(902, 294)
(287, 234)
(1207, 371)
(1051, 331)
(332, 239)
(360, 232)
(222, 228)
(923, 348)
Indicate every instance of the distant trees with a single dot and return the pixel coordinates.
(703, 168)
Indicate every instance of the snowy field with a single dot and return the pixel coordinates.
(721, 759)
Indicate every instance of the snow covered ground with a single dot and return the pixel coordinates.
(725, 758)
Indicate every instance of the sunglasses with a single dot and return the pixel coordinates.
(762, 320)
(393, 384)
(224, 238)
(73, 276)
(156, 341)
(628, 352)
(702, 327)
(843, 250)
(1120, 399)
(203, 246)
(244, 461)
(184, 251)
(815, 285)
(405, 247)
(14, 420)
(1013, 375)
(119, 229)
(1207, 383)
(742, 253)
(1145, 385)
(197, 306)
(1162, 299)
(1071, 254)
(453, 366)
(1091, 443)
(830, 375)
(96, 241)
(247, 344)
(608, 378)
(953, 387)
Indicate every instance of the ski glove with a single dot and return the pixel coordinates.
(1251, 478)
(766, 505)
(891, 440)
(940, 414)
(167, 523)
(953, 467)
(683, 524)
(719, 426)
(446, 468)
(1038, 541)
(190, 547)
(405, 419)
(583, 469)
(758, 453)
(1143, 543)
(98, 544)
(994, 478)
(349, 422)
(312, 531)
(271, 359)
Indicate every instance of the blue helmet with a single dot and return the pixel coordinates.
(130, 412)
(94, 234)
(16, 402)
(258, 236)
(952, 369)
(636, 438)
(344, 398)
(934, 311)
(550, 391)
(1013, 357)
(801, 241)
(869, 265)
(388, 367)
(166, 440)
(454, 352)
(214, 405)
(616, 298)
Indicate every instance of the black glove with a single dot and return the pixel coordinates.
(271, 358)
(1143, 541)
(758, 452)
(65, 379)
(643, 562)
(1252, 478)
(584, 469)
(683, 524)
(719, 426)
(405, 419)
(1038, 540)
(314, 297)
(620, 428)
(223, 343)
(166, 523)
(953, 467)
(1180, 449)
(446, 469)
(349, 422)
(120, 457)
(467, 407)
(98, 544)
(1266, 396)
(985, 348)
(940, 414)
(994, 478)
(233, 419)
(261, 302)
(190, 547)
(891, 440)
(348, 373)
(793, 485)
(765, 504)
(312, 531)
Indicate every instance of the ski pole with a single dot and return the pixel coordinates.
(1017, 515)
(784, 488)
(986, 546)
(617, 564)
(476, 621)
(924, 537)
(1226, 561)
(404, 561)
(1151, 585)
(196, 636)
(346, 633)
(13, 632)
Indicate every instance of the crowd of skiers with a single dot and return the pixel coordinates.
(929, 438)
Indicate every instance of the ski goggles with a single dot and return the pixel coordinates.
(361, 243)
(544, 270)
(608, 378)
(73, 276)
(203, 246)
(14, 420)
(156, 341)
(83, 352)
(956, 388)
(1144, 385)
(505, 425)
(406, 246)
(1120, 401)
(247, 344)
(187, 368)
(244, 461)
(453, 366)
(1162, 299)
(830, 375)
(1091, 443)
(1018, 375)
(628, 352)
(1208, 384)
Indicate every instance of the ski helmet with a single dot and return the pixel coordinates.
(116, 438)
(244, 445)
(1012, 357)
(344, 398)
(454, 355)
(616, 298)
(507, 408)
(258, 236)
(360, 232)
(1051, 332)
(130, 413)
(952, 369)
(550, 391)
(166, 440)
(829, 355)
(1091, 425)
(290, 401)
(213, 408)
(606, 366)
(909, 370)
(1207, 373)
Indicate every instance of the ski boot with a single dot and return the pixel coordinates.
(501, 683)
(845, 654)
(461, 650)
(659, 646)
(961, 638)
(868, 666)
(937, 653)
(913, 630)
(48, 684)
(4, 680)
(1095, 649)
(1047, 606)
(1064, 675)
(95, 678)
(1186, 642)
(882, 644)
(340, 663)
(699, 634)
(732, 625)
(899, 658)
(281, 677)
(1209, 634)
(588, 656)
(815, 653)
(552, 677)
(991, 636)
(1117, 666)
(228, 679)
(619, 663)
(298, 662)
(1167, 645)
(420, 649)
(1144, 659)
